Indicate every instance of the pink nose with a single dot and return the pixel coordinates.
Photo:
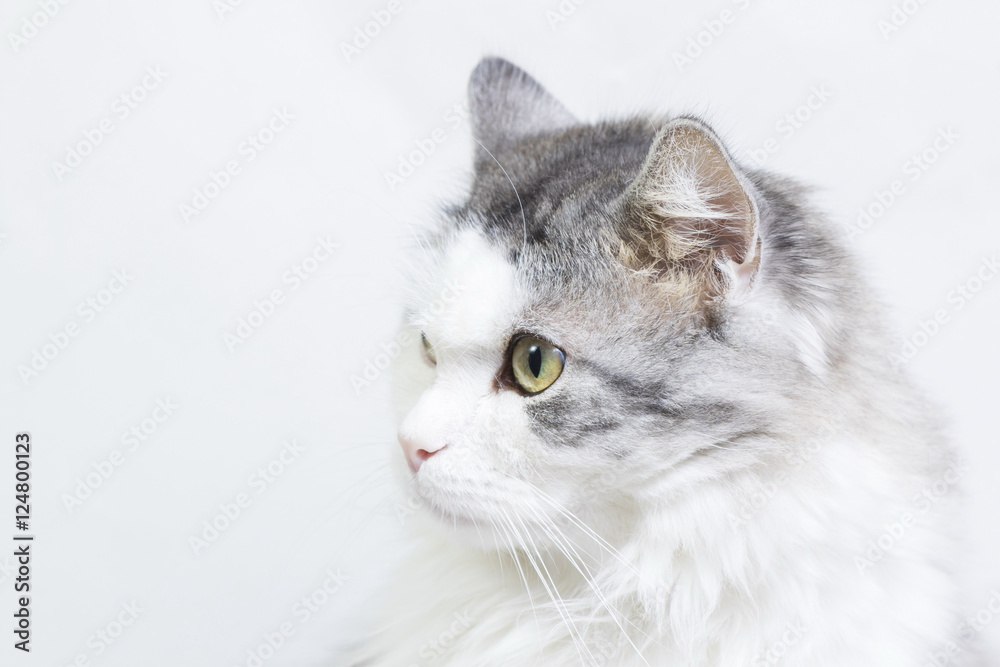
(416, 452)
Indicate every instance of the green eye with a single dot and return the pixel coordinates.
(536, 364)
(428, 349)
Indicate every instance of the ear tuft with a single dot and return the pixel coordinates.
(692, 213)
(507, 106)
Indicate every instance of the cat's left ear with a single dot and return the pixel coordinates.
(693, 213)
(507, 106)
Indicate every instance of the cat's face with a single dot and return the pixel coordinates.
(573, 339)
(523, 404)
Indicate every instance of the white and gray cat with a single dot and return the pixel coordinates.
(650, 416)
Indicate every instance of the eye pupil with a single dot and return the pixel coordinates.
(428, 349)
(535, 360)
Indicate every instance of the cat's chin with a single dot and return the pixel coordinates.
(496, 534)
(480, 533)
(464, 530)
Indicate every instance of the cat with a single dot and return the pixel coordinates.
(648, 411)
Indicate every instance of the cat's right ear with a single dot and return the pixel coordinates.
(507, 106)
(692, 217)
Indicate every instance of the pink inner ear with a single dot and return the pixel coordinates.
(696, 212)
(697, 185)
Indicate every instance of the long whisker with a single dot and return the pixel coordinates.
(524, 220)
(548, 582)
(565, 546)
(506, 528)
(579, 523)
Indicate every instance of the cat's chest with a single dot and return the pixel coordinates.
(494, 622)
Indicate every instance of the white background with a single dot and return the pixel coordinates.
(162, 336)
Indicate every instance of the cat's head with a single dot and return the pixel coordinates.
(602, 321)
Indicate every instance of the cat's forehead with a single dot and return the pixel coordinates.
(472, 296)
